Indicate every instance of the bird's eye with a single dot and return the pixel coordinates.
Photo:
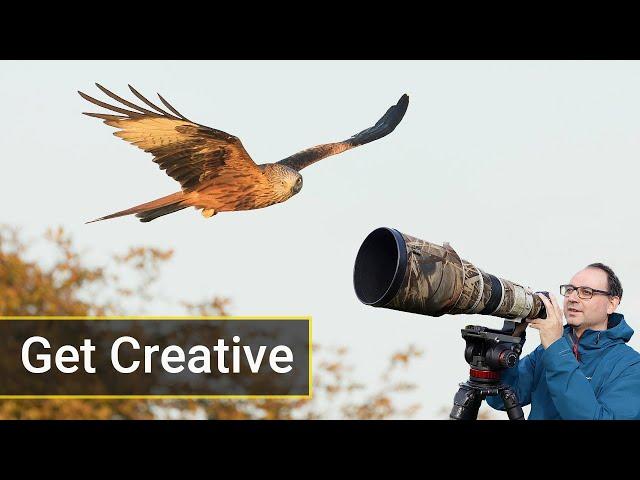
(299, 181)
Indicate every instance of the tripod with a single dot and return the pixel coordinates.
(487, 353)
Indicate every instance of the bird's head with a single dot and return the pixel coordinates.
(297, 185)
(285, 180)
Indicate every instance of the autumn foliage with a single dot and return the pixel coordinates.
(62, 282)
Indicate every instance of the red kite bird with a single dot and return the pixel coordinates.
(214, 169)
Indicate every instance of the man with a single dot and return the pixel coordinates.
(584, 370)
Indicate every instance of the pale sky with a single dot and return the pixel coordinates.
(527, 168)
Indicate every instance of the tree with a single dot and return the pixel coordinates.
(67, 285)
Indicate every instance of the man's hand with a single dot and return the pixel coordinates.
(550, 328)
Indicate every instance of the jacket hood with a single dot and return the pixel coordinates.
(618, 331)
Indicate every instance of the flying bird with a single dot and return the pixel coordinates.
(213, 168)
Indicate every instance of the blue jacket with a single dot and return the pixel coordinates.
(603, 382)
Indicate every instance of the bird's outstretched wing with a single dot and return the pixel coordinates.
(193, 154)
(384, 126)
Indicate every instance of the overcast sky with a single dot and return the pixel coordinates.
(528, 169)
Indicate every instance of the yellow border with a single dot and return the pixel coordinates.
(167, 397)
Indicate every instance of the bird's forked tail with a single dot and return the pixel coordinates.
(151, 210)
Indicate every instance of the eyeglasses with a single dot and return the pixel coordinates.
(583, 292)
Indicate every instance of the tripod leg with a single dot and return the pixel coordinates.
(511, 404)
(466, 403)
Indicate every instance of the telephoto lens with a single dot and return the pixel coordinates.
(397, 271)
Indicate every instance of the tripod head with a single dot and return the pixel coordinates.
(488, 352)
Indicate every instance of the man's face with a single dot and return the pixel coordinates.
(593, 312)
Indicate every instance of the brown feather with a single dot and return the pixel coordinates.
(384, 126)
(169, 204)
(105, 116)
(197, 156)
(123, 101)
(166, 104)
(155, 107)
(109, 107)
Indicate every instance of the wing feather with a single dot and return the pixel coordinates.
(168, 105)
(387, 123)
(123, 101)
(129, 113)
(155, 107)
(194, 155)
